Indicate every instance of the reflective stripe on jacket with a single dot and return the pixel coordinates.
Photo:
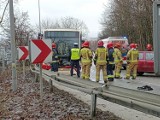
(86, 55)
(132, 55)
(118, 55)
(75, 54)
(101, 55)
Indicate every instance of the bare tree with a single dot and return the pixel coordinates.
(131, 18)
(23, 29)
(65, 22)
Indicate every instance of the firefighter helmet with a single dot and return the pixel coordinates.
(86, 44)
(53, 45)
(100, 43)
(110, 45)
(117, 45)
(149, 47)
(132, 45)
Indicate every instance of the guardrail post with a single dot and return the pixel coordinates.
(93, 104)
(50, 85)
(36, 77)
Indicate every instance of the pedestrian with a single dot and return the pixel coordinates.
(74, 56)
(54, 63)
(100, 61)
(118, 60)
(132, 62)
(110, 61)
(86, 60)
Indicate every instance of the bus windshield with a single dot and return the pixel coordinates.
(64, 40)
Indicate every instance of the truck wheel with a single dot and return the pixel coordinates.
(140, 73)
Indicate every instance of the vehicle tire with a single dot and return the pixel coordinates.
(140, 73)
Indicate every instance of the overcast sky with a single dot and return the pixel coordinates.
(89, 11)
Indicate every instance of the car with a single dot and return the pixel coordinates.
(146, 62)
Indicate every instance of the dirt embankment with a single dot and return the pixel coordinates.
(25, 104)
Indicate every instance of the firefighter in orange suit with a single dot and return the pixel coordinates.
(117, 60)
(100, 61)
(132, 62)
(86, 59)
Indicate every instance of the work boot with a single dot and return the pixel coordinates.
(127, 78)
(105, 81)
(87, 79)
(110, 79)
(118, 77)
(133, 78)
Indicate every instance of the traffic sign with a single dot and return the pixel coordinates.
(41, 51)
(23, 53)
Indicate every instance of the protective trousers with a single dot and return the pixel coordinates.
(75, 63)
(110, 71)
(118, 67)
(86, 70)
(54, 66)
(98, 68)
(131, 68)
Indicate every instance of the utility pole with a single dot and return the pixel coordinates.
(40, 64)
(13, 47)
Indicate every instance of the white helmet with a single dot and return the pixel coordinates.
(75, 44)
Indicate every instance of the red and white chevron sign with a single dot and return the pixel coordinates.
(41, 51)
(23, 53)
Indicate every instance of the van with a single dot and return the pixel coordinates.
(124, 43)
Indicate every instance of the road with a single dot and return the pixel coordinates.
(123, 112)
(148, 79)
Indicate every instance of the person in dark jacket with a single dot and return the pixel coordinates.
(110, 62)
(54, 64)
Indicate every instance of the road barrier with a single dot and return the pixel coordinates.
(146, 102)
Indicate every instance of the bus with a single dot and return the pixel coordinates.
(124, 43)
(64, 40)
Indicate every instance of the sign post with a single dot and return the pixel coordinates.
(23, 55)
(156, 36)
(40, 52)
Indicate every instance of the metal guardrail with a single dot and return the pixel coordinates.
(142, 101)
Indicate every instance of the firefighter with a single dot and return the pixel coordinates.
(149, 47)
(110, 61)
(132, 62)
(54, 63)
(74, 59)
(86, 60)
(118, 60)
(100, 61)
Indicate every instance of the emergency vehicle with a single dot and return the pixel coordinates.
(124, 43)
(145, 62)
